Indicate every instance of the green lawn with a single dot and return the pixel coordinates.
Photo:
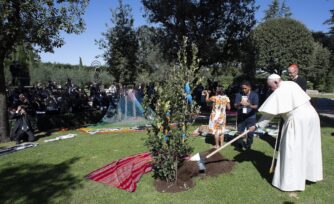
(54, 173)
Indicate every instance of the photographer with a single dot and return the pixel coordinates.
(22, 129)
(246, 103)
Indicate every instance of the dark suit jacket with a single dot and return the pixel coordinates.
(18, 124)
(301, 82)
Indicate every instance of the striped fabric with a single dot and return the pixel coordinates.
(124, 173)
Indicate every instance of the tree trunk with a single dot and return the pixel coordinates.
(4, 128)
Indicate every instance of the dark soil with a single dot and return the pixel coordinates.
(215, 166)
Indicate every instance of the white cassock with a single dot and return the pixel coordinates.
(300, 156)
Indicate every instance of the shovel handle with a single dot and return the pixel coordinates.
(227, 144)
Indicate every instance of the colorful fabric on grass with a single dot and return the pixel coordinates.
(124, 173)
(94, 131)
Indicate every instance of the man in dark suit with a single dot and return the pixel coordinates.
(22, 128)
(293, 73)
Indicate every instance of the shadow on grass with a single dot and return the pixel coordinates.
(37, 183)
(210, 139)
(260, 161)
(326, 121)
(269, 139)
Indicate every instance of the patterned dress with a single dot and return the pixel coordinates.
(218, 115)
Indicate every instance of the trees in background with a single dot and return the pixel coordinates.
(151, 62)
(275, 11)
(18, 63)
(218, 28)
(37, 23)
(330, 22)
(79, 75)
(121, 45)
(330, 45)
(318, 72)
(276, 43)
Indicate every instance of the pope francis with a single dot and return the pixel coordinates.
(299, 158)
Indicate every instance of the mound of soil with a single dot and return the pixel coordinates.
(215, 166)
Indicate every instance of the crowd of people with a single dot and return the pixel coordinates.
(54, 98)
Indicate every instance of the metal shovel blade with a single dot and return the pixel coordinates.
(196, 157)
(200, 162)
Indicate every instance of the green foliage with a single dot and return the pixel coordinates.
(330, 22)
(151, 63)
(279, 42)
(218, 28)
(168, 145)
(320, 68)
(285, 10)
(80, 76)
(80, 62)
(121, 45)
(326, 39)
(38, 22)
(34, 23)
(274, 11)
(329, 83)
(330, 44)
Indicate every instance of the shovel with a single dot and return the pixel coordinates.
(201, 161)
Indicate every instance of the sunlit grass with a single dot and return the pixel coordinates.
(54, 173)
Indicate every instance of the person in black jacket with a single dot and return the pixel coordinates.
(293, 73)
(22, 128)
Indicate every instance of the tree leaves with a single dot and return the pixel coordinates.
(279, 42)
(38, 22)
(167, 139)
(218, 28)
(121, 45)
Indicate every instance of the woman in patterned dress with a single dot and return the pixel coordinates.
(217, 120)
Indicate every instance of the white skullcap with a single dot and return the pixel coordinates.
(273, 77)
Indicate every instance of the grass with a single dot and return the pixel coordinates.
(54, 173)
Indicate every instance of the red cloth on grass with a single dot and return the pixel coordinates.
(124, 173)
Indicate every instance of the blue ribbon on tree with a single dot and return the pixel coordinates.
(187, 90)
(189, 99)
(184, 136)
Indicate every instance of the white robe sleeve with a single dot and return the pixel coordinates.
(264, 120)
(284, 99)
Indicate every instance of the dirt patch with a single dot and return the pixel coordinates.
(215, 165)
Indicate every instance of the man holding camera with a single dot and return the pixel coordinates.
(22, 129)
